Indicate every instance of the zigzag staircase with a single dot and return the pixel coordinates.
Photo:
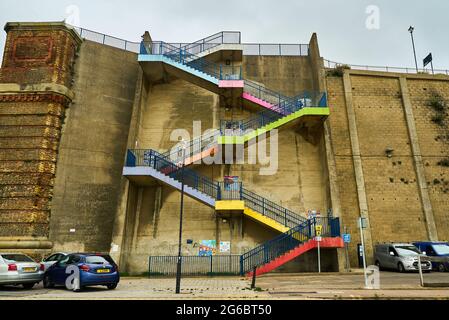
(298, 233)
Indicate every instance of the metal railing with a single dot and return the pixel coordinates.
(195, 265)
(192, 147)
(332, 65)
(225, 37)
(270, 209)
(108, 40)
(284, 107)
(266, 49)
(159, 162)
(183, 57)
(216, 190)
(288, 241)
(242, 264)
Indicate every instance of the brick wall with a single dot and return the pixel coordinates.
(34, 92)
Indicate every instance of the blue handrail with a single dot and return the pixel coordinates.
(288, 241)
(214, 189)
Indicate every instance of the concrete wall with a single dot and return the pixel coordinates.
(152, 212)
(399, 194)
(92, 149)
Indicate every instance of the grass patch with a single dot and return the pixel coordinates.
(338, 71)
(437, 103)
(438, 119)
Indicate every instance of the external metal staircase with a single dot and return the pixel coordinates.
(297, 233)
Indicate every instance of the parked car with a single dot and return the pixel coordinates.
(438, 253)
(19, 269)
(95, 270)
(401, 257)
(51, 260)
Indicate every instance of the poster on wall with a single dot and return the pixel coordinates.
(225, 246)
(208, 248)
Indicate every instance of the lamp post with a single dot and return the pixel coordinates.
(179, 264)
(411, 29)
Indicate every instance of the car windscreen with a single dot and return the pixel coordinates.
(96, 260)
(441, 249)
(11, 258)
(407, 251)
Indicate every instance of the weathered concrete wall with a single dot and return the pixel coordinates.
(152, 213)
(394, 188)
(92, 149)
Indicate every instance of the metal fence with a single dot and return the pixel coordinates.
(266, 49)
(332, 65)
(195, 265)
(225, 37)
(108, 40)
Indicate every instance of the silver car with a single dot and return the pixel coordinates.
(51, 260)
(401, 257)
(19, 269)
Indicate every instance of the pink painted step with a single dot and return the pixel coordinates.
(292, 254)
(188, 161)
(260, 102)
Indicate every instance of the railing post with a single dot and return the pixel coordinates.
(218, 191)
(285, 217)
(241, 265)
(211, 264)
(241, 191)
(104, 39)
(263, 206)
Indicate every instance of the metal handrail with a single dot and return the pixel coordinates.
(214, 189)
(288, 241)
(332, 65)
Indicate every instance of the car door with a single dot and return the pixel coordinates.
(57, 271)
(48, 262)
(392, 258)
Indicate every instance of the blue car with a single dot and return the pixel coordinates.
(94, 270)
(438, 253)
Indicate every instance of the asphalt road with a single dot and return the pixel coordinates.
(272, 286)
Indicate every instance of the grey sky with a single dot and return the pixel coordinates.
(340, 24)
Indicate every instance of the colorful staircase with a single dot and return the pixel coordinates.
(290, 245)
(151, 163)
(297, 233)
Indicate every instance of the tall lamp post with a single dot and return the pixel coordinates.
(411, 29)
(179, 264)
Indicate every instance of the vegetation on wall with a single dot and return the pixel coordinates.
(338, 71)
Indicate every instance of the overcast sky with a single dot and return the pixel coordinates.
(350, 31)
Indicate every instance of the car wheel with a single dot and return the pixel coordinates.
(441, 268)
(378, 265)
(28, 286)
(47, 283)
(401, 267)
(112, 286)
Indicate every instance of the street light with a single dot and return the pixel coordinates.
(179, 264)
(411, 29)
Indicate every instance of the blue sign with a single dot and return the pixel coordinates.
(346, 238)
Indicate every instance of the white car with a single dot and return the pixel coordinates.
(19, 269)
(51, 260)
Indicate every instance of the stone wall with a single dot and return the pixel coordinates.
(373, 123)
(35, 82)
